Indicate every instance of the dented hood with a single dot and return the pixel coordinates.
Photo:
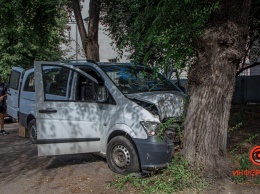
(169, 104)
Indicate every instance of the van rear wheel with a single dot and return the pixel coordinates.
(122, 157)
(33, 131)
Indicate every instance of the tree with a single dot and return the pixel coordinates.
(92, 46)
(219, 50)
(80, 23)
(209, 36)
(30, 30)
(89, 40)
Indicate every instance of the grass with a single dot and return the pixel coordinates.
(177, 177)
(243, 138)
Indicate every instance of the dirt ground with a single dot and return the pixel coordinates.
(22, 171)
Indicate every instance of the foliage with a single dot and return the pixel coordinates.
(30, 30)
(241, 161)
(252, 51)
(156, 32)
(177, 177)
(244, 163)
(238, 125)
(257, 180)
(248, 140)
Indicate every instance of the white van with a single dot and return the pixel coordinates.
(115, 110)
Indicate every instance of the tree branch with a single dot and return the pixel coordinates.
(247, 67)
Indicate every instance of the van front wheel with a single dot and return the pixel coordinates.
(33, 131)
(122, 157)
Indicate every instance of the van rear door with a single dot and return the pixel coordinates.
(14, 92)
(66, 122)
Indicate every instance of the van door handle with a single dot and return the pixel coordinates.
(48, 111)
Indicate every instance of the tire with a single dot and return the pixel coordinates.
(122, 156)
(32, 131)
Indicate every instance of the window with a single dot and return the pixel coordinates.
(133, 79)
(87, 89)
(15, 79)
(63, 84)
(29, 83)
(56, 83)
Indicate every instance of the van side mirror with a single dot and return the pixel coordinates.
(102, 94)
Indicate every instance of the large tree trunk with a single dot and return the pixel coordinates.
(211, 85)
(80, 23)
(92, 46)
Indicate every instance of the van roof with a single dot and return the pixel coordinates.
(109, 63)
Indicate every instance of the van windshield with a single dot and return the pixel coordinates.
(133, 79)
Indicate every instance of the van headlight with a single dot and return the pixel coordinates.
(151, 128)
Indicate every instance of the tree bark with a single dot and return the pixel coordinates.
(211, 85)
(80, 24)
(93, 46)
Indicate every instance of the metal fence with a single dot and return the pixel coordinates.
(247, 90)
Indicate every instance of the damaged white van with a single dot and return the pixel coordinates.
(115, 110)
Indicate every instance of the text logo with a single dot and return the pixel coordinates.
(255, 155)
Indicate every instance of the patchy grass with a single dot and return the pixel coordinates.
(177, 177)
(245, 134)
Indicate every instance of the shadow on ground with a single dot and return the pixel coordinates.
(18, 155)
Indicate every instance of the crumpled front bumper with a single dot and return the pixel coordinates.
(154, 152)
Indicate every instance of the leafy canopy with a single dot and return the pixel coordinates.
(30, 30)
(156, 31)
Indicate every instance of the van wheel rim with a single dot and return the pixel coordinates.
(121, 157)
